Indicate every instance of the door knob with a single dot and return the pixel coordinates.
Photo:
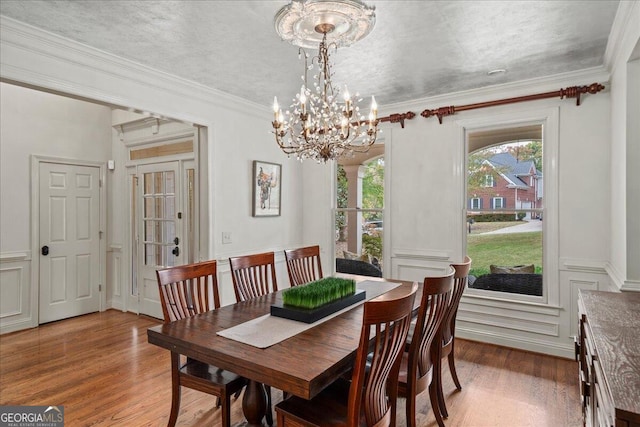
(176, 251)
(45, 250)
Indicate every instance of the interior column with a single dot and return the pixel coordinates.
(354, 200)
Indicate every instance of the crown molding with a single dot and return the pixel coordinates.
(513, 89)
(105, 66)
(627, 10)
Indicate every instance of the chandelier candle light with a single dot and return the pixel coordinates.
(318, 126)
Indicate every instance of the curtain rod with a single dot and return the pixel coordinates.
(570, 92)
(398, 118)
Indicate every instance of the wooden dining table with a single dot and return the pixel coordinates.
(302, 365)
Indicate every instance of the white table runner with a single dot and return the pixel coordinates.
(267, 330)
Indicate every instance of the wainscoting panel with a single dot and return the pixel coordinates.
(575, 285)
(11, 286)
(516, 321)
(513, 320)
(416, 267)
(16, 310)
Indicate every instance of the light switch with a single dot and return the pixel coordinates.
(226, 237)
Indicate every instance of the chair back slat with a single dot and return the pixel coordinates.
(374, 391)
(185, 290)
(460, 278)
(436, 295)
(253, 275)
(303, 265)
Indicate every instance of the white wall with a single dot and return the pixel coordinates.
(238, 133)
(36, 123)
(39, 123)
(318, 201)
(623, 48)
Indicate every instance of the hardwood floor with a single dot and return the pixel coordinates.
(101, 368)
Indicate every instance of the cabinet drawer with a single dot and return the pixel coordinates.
(605, 409)
(588, 355)
(608, 349)
(585, 386)
(589, 348)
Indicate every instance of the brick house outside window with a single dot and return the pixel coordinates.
(509, 184)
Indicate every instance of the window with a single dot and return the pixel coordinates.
(360, 230)
(488, 181)
(503, 240)
(498, 203)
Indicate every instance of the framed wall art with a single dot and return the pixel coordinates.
(267, 186)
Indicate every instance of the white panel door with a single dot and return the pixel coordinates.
(161, 240)
(69, 240)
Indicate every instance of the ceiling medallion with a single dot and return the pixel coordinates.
(318, 125)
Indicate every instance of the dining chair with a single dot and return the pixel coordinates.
(253, 275)
(369, 399)
(417, 362)
(303, 265)
(185, 291)
(448, 332)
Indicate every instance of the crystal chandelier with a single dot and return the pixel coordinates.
(319, 125)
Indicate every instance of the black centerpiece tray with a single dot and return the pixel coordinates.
(279, 309)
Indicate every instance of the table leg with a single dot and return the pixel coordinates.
(254, 403)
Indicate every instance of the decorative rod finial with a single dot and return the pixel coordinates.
(595, 88)
(439, 112)
(576, 91)
(401, 117)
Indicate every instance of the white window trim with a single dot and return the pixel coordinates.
(550, 119)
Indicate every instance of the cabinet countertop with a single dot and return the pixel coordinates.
(614, 320)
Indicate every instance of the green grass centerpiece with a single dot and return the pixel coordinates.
(318, 293)
(313, 301)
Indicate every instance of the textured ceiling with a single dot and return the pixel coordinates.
(417, 48)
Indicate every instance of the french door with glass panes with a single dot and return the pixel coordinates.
(160, 230)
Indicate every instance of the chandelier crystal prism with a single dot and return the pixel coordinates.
(320, 124)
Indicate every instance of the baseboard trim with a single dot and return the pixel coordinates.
(115, 305)
(536, 346)
(17, 326)
(631, 286)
